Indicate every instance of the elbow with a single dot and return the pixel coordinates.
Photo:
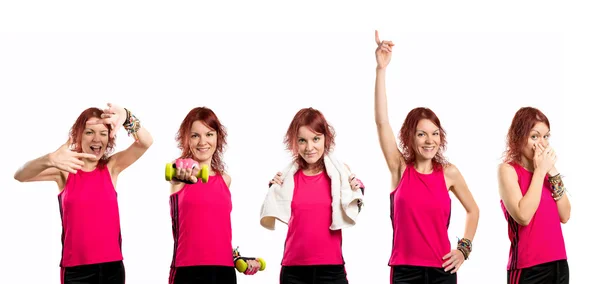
(565, 219)
(474, 211)
(19, 177)
(523, 221)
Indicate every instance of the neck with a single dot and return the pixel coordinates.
(423, 166)
(89, 165)
(527, 163)
(313, 169)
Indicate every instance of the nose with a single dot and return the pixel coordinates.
(309, 146)
(202, 141)
(96, 138)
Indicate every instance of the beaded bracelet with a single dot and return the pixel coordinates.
(131, 124)
(558, 187)
(465, 246)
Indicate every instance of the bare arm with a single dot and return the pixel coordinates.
(564, 205)
(521, 208)
(117, 116)
(460, 189)
(39, 169)
(122, 160)
(387, 141)
(53, 166)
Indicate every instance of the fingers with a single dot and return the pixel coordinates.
(278, 179)
(84, 156)
(456, 267)
(377, 37)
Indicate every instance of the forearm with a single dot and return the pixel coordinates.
(33, 168)
(381, 112)
(471, 224)
(559, 194)
(531, 200)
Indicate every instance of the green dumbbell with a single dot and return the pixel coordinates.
(241, 265)
(171, 169)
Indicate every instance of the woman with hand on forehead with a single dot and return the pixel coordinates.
(201, 212)
(86, 175)
(420, 199)
(534, 202)
(309, 197)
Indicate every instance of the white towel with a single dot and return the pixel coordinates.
(345, 205)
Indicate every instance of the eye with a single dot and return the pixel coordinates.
(104, 134)
(301, 140)
(547, 137)
(534, 137)
(317, 139)
(437, 133)
(194, 135)
(420, 134)
(88, 133)
(210, 134)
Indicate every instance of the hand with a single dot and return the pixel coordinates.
(253, 267)
(187, 170)
(454, 260)
(277, 179)
(114, 116)
(355, 183)
(543, 158)
(68, 160)
(383, 53)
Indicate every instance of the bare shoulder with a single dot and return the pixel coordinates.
(506, 169)
(227, 179)
(451, 171)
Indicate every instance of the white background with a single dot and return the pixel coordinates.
(474, 64)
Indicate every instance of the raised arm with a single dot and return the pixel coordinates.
(53, 166)
(387, 140)
(522, 207)
(117, 116)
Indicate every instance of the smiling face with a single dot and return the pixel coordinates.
(311, 145)
(426, 140)
(203, 142)
(539, 134)
(94, 140)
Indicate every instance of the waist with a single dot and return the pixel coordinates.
(304, 247)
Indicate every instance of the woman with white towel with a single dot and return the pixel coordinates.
(420, 199)
(302, 196)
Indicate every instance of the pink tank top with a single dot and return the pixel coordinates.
(542, 240)
(420, 213)
(309, 240)
(90, 219)
(201, 219)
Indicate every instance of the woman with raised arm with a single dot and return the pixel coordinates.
(420, 199)
(86, 175)
(201, 212)
(317, 197)
(534, 202)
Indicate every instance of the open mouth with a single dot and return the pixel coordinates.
(96, 149)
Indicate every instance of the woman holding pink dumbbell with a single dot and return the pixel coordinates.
(201, 207)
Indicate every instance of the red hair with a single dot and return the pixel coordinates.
(409, 129)
(76, 133)
(316, 122)
(522, 123)
(210, 119)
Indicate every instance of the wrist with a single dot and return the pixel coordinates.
(380, 69)
(552, 172)
(48, 160)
